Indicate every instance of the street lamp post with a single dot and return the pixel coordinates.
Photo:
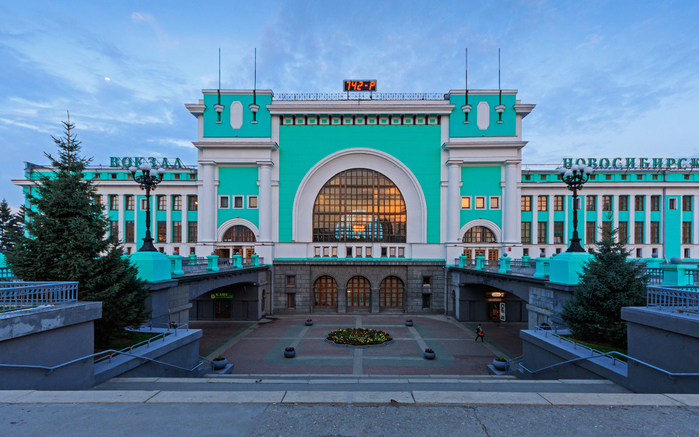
(147, 180)
(574, 178)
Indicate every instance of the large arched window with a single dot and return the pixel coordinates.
(325, 292)
(358, 292)
(239, 233)
(359, 205)
(391, 292)
(479, 234)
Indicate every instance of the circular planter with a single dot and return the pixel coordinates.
(220, 364)
(309, 323)
(430, 355)
(408, 323)
(503, 366)
(290, 354)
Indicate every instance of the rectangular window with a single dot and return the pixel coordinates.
(494, 202)
(543, 203)
(176, 231)
(686, 232)
(639, 177)
(672, 203)
(623, 203)
(97, 176)
(526, 233)
(176, 175)
(557, 232)
(114, 228)
(129, 236)
(348, 252)
(162, 203)
(623, 231)
(401, 252)
(334, 252)
(655, 177)
(392, 251)
(367, 252)
(558, 203)
(238, 202)
(192, 176)
(608, 177)
(590, 228)
(639, 252)
(192, 232)
(527, 177)
(543, 177)
(466, 202)
(144, 204)
(177, 203)
(542, 235)
(252, 202)
(655, 203)
(480, 202)
(98, 199)
(591, 203)
(358, 252)
(291, 280)
(192, 203)
(291, 300)
(606, 203)
(114, 203)
(638, 231)
(426, 281)
(686, 203)
(526, 203)
(113, 175)
(384, 252)
(686, 250)
(223, 202)
(129, 203)
(624, 177)
(639, 203)
(654, 232)
(326, 251)
(162, 232)
(426, 301)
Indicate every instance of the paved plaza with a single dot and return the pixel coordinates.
(258, 348)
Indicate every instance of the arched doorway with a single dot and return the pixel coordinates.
(358, 292)
(481, 241)
(359, 205)
(237, 240)
(391, 292)
(325, 292)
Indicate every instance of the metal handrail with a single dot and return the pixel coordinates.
(599, 355)
(18, 295)
(52, 368)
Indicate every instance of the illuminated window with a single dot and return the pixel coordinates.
(558, 203)
(542, 236)
(358, 292)
(359, 205)
(129, 203)
(543, 203)
(325, 292)
(526, 232)
(239, 233)
(494, 202)
(391, 292)
(466, 202)
(113, 203)
(162, 232)
(162, 203)
(177, 203)
(192, 203)
(479, 234)
(526, 203)
(480, 202)
(252, 202)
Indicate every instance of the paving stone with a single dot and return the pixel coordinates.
(475, 397)
(216, 397)
(691, 400)
(87, 397)
(616, 399)
(11, 396)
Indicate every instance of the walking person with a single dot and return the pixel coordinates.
(479, 333)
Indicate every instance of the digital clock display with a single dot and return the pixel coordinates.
(359, 85)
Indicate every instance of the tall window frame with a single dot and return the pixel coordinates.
(325, 292)
(391, 292)
(358, 292)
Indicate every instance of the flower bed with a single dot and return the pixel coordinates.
(359, 337)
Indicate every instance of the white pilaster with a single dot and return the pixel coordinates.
(631, 206)
(207, 206)
(695, 220)
(122, 223)
(600, 217)
(615, 212)
(646, 225)
(265, 201)
(168, 217)
(551, 224)
(535, 222)
(511, 204)
(453, 201)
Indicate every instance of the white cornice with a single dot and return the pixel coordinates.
(360, 106)
(238, 144)
(480, 144)
(195, 109)
(524, 109)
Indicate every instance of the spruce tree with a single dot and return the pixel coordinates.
(9, 227)
(608, 283)
(68, 241)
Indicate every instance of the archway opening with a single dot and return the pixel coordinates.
(391, 292)
(359, 205)
(325, 292)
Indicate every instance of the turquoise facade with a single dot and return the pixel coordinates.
(263, 127)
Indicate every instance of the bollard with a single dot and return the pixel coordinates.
(505, 265)
(480, 261)
(255, 260)
(212, 264)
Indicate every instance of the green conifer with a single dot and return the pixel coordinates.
(9, 227)
(69, 241)
(608, 283)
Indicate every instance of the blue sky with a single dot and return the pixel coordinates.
(609, 78)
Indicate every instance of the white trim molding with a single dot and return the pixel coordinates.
(236, 222)
(392, 168)
(481, 222)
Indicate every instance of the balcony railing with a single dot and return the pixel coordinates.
(20, 295)
(191, 266)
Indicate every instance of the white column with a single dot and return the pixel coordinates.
(168, 218)
(632, 220)
(511, 205)
(566, 219)
(695, 222)
(615, 212)
(551, 225)
(207, 206)
(535, 222)
(582, 223)
(453, 201)
(600, 217)
(646, 225)
(265, 201)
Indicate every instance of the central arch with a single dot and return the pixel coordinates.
(392, 168)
